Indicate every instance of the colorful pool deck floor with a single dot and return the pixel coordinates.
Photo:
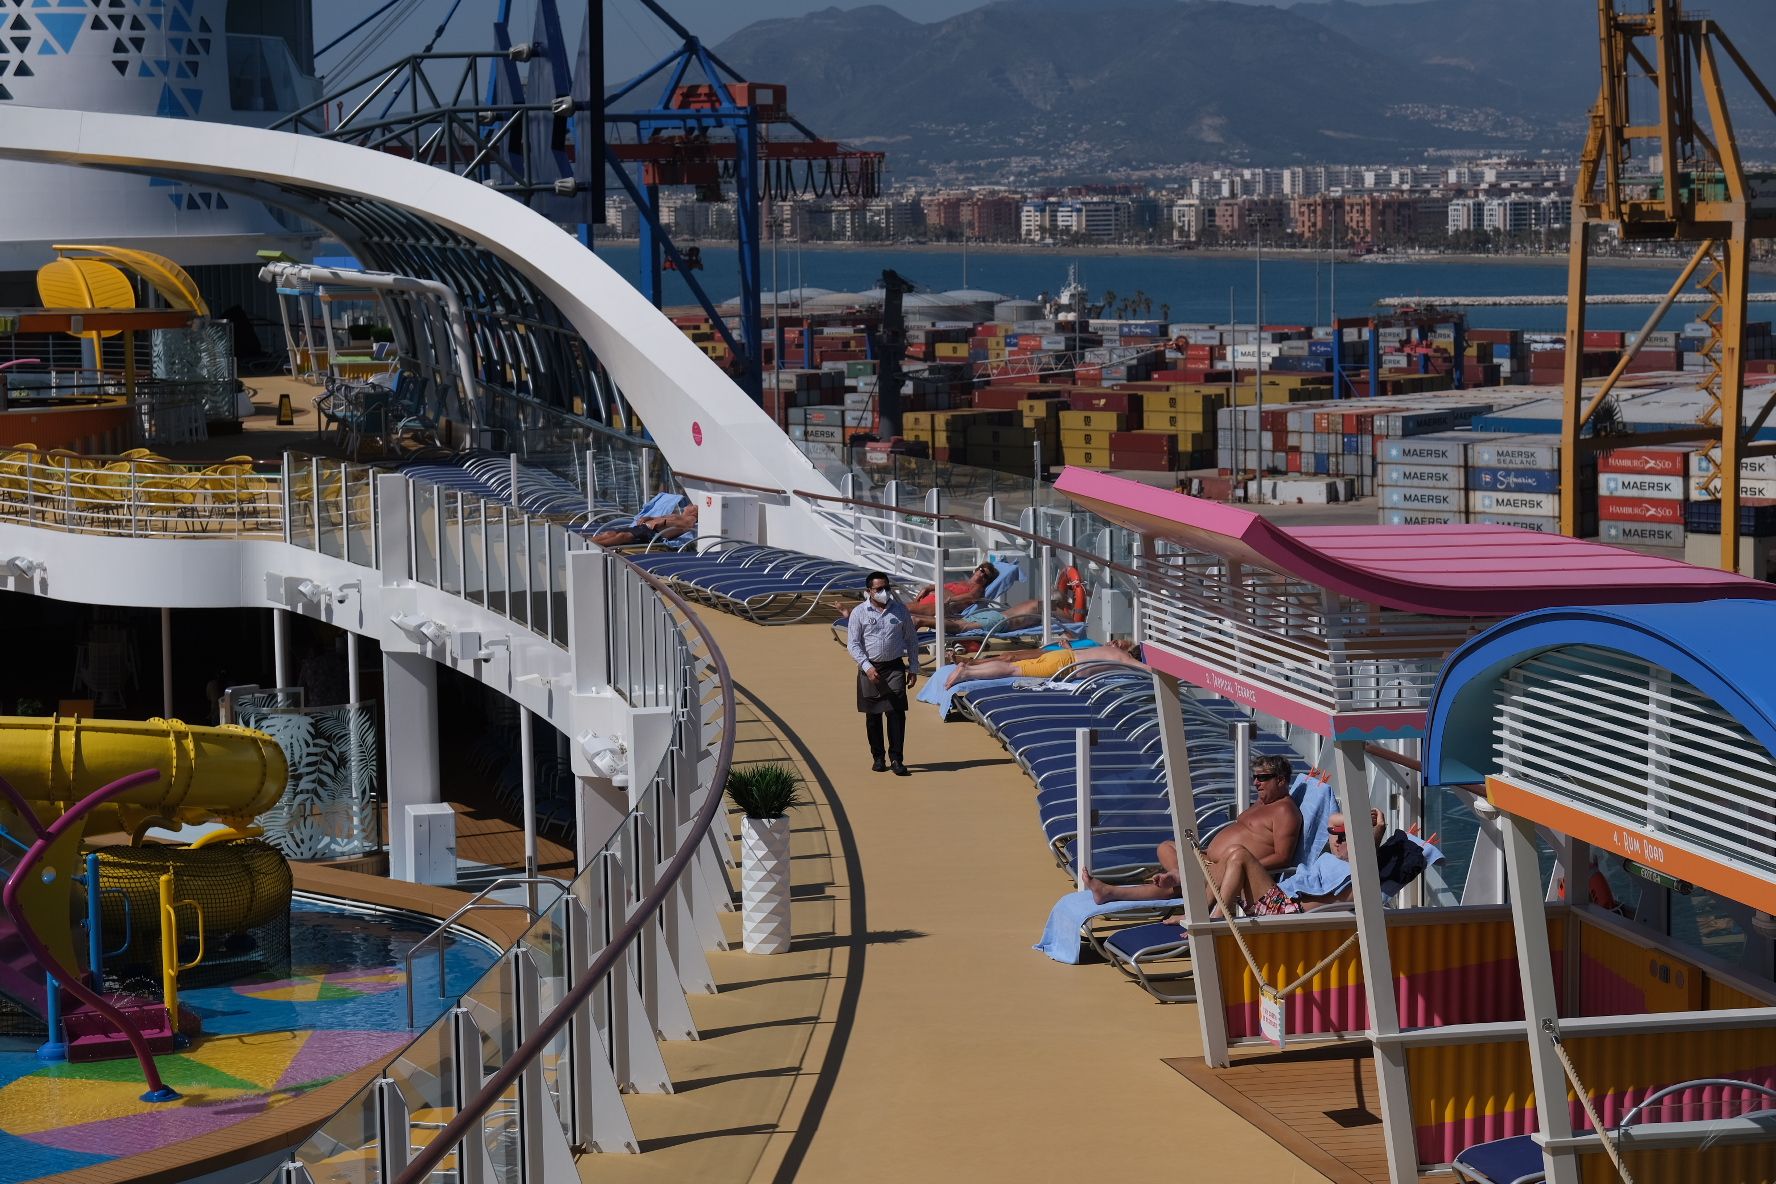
(265, 1040)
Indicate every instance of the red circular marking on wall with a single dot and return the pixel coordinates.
(696, 433)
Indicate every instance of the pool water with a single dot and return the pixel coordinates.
(342, 1006)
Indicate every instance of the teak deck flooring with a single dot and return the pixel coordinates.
(1319, 1103)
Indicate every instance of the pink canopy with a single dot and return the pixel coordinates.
(1451, 571)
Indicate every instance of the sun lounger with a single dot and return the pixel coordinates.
(769, 585)
(1516, 1160)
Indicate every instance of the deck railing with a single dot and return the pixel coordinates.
(137, 495)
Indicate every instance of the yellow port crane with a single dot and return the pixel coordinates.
(1663, 101)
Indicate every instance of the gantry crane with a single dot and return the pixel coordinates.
(1663, 98)
(535, 120)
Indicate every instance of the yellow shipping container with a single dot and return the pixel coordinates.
(1089, 458)
(1072, 440)
(952, 349)
(916, 421)
(1107, 421)
(1178, 421)
(1190, 401)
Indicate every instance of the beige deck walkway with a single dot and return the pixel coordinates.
(950, 1050)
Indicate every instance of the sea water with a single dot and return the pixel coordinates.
(1297, 289)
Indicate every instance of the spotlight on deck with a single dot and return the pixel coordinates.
(21, 565)
(312, 592)
(606, 755)
(421, 627)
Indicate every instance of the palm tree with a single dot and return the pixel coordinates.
(1109, 298)
(1165, 314)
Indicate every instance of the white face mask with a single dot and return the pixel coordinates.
(880, 597)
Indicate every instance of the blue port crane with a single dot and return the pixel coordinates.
(525, 120)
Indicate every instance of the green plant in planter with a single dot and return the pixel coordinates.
(766, 790)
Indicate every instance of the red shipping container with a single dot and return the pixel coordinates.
(1161, 442)
(1641, 509)
(1000, 398)
(1604, 339)
(1143, 462)
(1646, 462)
(1090, 375)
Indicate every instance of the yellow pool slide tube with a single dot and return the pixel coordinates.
(228, 773)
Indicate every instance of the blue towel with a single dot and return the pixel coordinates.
(934, 692)
(1009, 574)
(1060, 939)
(660, 505)
(1324, 875)
(1318, 803)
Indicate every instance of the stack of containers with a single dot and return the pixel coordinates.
(947, 433)
(824, 433)
(1642, 496)
(1089, 422)
(1516, 482)
(1757, 496)
(1501, 349)
(1423, 480)
(1334, 438)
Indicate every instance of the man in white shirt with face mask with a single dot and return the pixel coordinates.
(884, 642)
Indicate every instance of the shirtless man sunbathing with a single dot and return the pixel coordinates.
(1265, 835)
(1042, 663)
(647, 530)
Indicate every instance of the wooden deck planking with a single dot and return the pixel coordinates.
(1319, 1103)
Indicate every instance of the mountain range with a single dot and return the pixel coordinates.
(1046, 90)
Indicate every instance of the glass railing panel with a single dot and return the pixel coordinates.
(499, 559)
(299, 496)
(474, 549)
(426, 1073)
(537, 558)
(426, 512)
(518, 568)
(360, 515)
(547, 943)
(329, 508)
(490, 1002)
(559, 543)
(450, 542)
(344, 1150)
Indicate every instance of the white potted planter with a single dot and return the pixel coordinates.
(765, 794)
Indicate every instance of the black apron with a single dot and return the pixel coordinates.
(887, 694)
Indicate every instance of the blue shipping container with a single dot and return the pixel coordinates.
(1353, 445)
(1319, 349)
(1515, 480)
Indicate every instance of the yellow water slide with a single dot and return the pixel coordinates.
(227, 773)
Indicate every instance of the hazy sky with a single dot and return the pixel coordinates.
(634, 37)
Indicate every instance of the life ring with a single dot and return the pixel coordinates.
(1070, 595)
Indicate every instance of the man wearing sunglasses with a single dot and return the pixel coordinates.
(1265, 835)
(1327, 878)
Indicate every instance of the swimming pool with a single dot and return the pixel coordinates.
(342, 1006)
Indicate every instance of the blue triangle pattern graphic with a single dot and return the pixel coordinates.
(193, 97)
(64, 27)
(168, 105)
(178, 23)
